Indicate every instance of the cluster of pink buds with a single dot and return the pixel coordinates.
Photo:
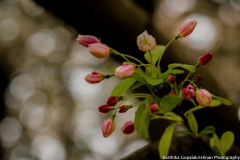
(112, 101)
(96, 48)
(188, 92)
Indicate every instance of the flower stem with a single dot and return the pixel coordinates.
(158, 64)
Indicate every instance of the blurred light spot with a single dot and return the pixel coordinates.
(10, 131)
(79, 87)
(228, 16)
(21, 152)
(173, 8)
(22, 86)
(32, 116)
(48, 148)
(104, 146)
(31, 9)
(42, 43)
(9, 30)
(86, 121)
(204, 35)
(235, 4)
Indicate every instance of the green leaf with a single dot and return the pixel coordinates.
(135, 85)
(192, 123)
(156, 54)
(142, 119)
(188, 67)
(215, 103)
(123, 86)
(183, 132)
(175, 71)
(165, 141)
(153, 81)
(223, 100)
(227, 140)
(215, 144)
(207, 130)
(169, 102)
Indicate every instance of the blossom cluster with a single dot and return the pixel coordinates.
(145, 43)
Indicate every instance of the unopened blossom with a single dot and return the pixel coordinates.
(205, 59)
(146, 42)
(198, 77)
(85, 40)
(154, 107)
(113, 100)
(128, 127)
(123, 109)
(94, 77)
(171, 92)
(172, 79)
(108, 127)
(203, 97)
(105, 108)
(99, 50)
(124, 71)
(188, 92)
(187, 28)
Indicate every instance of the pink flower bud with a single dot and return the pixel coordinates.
(123, 109)
(203, 97)
(171, 92)
(128, 127)
(108, 127)
(105, 108)
(186, 28)
(99, 50)
(112, 100)
(94, 77)
(205, 59)
(124, 71)
(198, 77)
(146, 42)
(172, 79)
(188, 92)
(154, 107)
(85, 40)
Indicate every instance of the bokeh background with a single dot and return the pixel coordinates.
(49, 112)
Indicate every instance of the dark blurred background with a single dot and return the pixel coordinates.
(48, 111)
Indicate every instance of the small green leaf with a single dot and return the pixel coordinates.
(142, 119)
(183, 132)
(215, 103)
(123, 86)
(215, 144)
(190, 68)
(223, 100)
(227, 141)
(135, 85)
(175, 71)
(192, 123)
(153, 81)
(165, 141)
(156, 54)
(169, 102)
(207, 130)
